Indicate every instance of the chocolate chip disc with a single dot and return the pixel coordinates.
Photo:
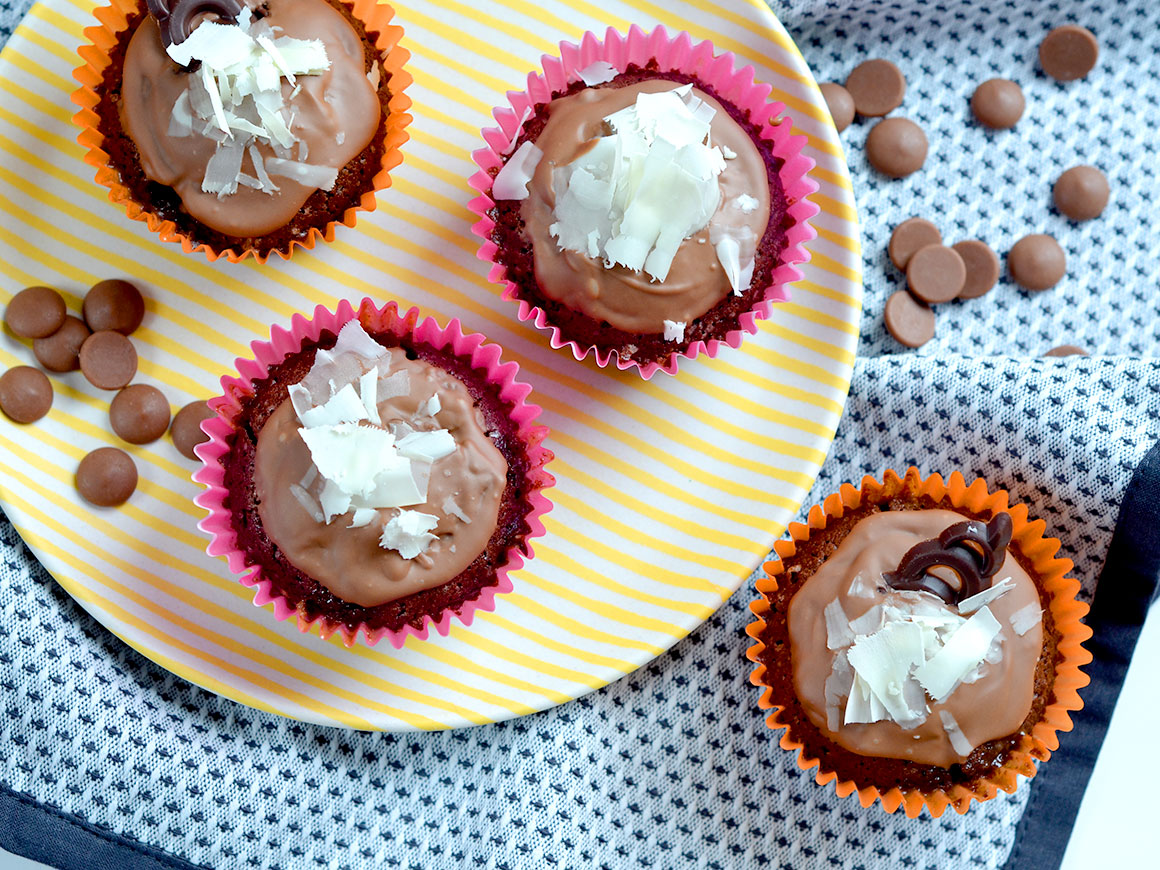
(908, 320)
(1069, 52)
(1081, 193)
(877, 87)
(1037, 262)
(60, 352)
(186, 429)
(106, 477)
(113, 304)
(1066, 350)
(108, 360)
(936, 274)
(998, 103)
(982, 267)
(896, 147)
(25, 394)
(139, 414)
(840, 103)
(908, 237)
(35, 312)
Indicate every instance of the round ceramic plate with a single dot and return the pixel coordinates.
(668, 492)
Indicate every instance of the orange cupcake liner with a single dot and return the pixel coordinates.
(1051, 575)
(96, 53)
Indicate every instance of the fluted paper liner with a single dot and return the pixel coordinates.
(102, 40)
(485, 360)
(672, 54)
(1050, 575)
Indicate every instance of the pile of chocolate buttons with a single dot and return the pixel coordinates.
(98, 344)
(937, 274)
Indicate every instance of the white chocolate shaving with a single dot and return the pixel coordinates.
(838, 633)
(597, 73)
(236, 99)
(306, 174)
(883, 660)
(961, 654)
(409, 533)
(746, 203)
(643, 189)
(451, 507)
(979, 599)
(307, 501)
(959, 741)
(365, 467)
(511, 182)
(1026, 618)
(675, 330)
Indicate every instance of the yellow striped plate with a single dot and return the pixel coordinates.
(669, 492)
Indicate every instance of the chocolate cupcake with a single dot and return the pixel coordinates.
(374, 473)
(243, 128)
(919, 643)
(642, 205)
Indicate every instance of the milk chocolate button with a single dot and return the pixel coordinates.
(908, 320)
(35, 312)
(840, 104)
(106, 477)
(1037, 262)
(1081, 193)
(1066, 350)
(25, 394)
(1069, 52)
(60, 352)
(139, 414)
(113, 304)
(935, 274)
(186, 429)
(877, 87)
(108, 360)
(982, 267)
(896, 147)
(908, 237)
(998, 103)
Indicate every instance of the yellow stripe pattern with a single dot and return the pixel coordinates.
(668, 492)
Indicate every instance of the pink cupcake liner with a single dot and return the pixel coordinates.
(675, 54)
(284, 342)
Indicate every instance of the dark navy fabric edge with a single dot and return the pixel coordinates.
(59, 839)
(1127, 587)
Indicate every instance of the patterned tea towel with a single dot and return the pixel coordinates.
(107, 760)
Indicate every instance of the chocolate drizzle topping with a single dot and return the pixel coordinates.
(973, 550)
(177, 18)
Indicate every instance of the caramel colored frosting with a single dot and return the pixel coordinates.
(350, 562)
(993, 706)
(335, 114)
(627, 299)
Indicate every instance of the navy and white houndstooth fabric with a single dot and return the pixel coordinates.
(996, 185)
(673, 766)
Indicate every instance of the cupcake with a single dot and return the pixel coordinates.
(640, 203)
(374, 473)
(243, 128)
(919, 643)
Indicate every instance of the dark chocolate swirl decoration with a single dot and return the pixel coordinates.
(973, 550)
(177, 18)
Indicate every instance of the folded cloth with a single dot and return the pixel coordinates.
(673, 766)
(670, 766)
